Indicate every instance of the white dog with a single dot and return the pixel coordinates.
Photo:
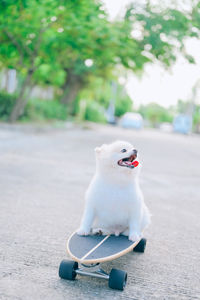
(114, 201)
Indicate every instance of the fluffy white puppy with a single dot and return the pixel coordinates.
(114, 201)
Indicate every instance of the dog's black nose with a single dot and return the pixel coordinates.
(135, 151)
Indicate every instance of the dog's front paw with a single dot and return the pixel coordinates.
(134, 237)
(97, 231)
(82, 231)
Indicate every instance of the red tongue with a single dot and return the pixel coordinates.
(135, 163)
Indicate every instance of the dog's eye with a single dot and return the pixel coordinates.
(123, 150)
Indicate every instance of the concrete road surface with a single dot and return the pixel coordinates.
(43, 177)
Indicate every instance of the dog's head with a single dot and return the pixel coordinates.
(118, 155)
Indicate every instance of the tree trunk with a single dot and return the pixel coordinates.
(71, 88)
(21, 101)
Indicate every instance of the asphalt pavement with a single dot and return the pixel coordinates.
(43, 177)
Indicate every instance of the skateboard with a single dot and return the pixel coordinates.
(87, 252)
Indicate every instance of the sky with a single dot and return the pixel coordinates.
(157, 84)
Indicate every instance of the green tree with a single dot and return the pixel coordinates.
(67, 43)
(22, 29)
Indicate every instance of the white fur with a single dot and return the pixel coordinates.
(114, 201)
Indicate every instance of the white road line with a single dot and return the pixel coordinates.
(82, 258)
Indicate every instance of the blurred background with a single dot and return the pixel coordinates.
(131, 63)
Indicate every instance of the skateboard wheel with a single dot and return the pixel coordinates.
(67, 269)
(140, 246)
(117, 279)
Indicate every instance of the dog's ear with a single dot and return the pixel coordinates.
(99, 149)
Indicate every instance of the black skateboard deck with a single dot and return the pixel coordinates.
(98, 248)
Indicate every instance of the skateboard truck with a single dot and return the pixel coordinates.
(92, 270)
(69, 269)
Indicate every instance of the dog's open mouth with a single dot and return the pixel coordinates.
(128, 161)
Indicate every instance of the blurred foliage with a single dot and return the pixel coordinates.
(94, 112)
(7, 102)
(37, 110)
(162, 32)
(155, 114)
(48, 74)
(101, 92)
(123, 104)
(182, 107)
(196, 118)
(69, 43)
